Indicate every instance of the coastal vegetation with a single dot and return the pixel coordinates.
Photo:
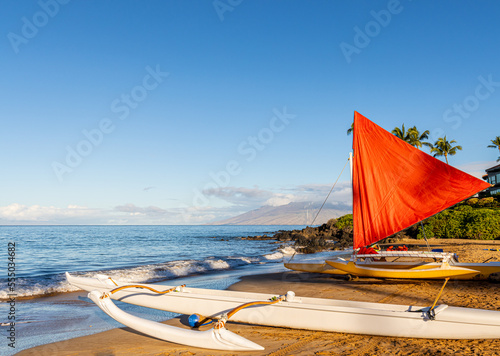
(473, 220)
(495, 143)
(412, 136)
(443, 147)
(350, 129)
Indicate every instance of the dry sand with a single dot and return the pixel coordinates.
(280, 341)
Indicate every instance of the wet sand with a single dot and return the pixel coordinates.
(281, 341)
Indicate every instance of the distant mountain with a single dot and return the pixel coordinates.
(297, 213)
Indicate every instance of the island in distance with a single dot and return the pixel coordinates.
(295, 213)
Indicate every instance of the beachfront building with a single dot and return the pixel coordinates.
(492, 176)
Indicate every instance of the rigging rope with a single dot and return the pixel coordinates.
(221, 322)
(329, 193)
(425, 237)
(145, 287)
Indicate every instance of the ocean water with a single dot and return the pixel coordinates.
(128, 253)
(200, 256)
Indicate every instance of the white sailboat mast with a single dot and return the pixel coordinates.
(350, 163)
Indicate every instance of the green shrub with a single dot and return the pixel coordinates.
(482, 224)
(464, 222)
(472, 201)
(344, 221)
(486, 202)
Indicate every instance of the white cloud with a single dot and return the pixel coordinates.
(280, 199)
(46, 215)
(135, 210)
(237, 200)
(239, 195)
(126, 214)
(256, 197)
(73, 214)
(477, 169)
(202, 215)
(341, 193)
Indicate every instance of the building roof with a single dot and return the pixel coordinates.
(493, 169)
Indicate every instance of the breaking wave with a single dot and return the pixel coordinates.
(280, 253)
(33, 287)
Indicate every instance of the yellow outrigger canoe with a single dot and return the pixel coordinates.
(442, 271)
(483, 270)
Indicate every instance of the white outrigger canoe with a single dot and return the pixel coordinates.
(441, 322)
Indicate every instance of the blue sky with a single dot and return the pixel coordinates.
(176, 112)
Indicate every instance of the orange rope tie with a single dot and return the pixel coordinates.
(222, 322)
(145, 287)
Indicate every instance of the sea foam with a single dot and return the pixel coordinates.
(43, 286)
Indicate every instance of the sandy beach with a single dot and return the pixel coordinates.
(281, 341)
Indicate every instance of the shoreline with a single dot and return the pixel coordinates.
(63, 316)
(472, 294)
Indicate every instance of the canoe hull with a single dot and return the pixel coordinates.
(441, 272)
(314, 268)
(485, 270)
(314, 313)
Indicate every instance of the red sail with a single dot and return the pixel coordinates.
(395, 185)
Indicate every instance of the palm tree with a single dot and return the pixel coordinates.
(496, 144)
(351, 129)
(401, 133)
(444, 148)
(416, 139)
(412, 136)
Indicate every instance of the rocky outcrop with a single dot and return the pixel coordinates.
(333, 235)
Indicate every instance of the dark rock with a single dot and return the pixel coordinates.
(313, 239)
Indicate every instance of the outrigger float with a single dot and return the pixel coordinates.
(217, 306)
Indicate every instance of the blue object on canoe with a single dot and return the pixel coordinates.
(193, 320)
